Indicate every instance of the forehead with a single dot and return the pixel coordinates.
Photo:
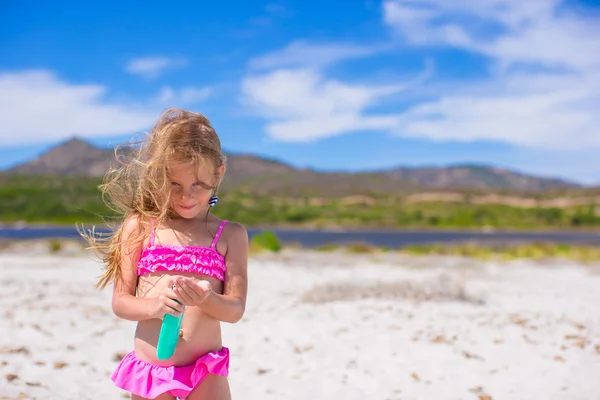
(191, 171)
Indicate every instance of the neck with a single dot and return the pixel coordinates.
(203, 215)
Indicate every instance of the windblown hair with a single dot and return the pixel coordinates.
(140, 187)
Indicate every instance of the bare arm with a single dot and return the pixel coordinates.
(230, 306)
(125, 304)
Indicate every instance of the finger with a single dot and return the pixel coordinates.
(181, 283)
(186, 280)
(175, 294)
(172, 312)
(186, 288)
(204, 285)
(168, 309)
(199, 292)
(186, 295)
(176, 308)
(170, 293)
(193, 285)
(174, 305)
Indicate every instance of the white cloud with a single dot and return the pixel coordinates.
(36, 106)
(302, 105)
(305, 54)
(512, 31)
(178, 98)
(524, 117)
(543, 89)
(152, 67)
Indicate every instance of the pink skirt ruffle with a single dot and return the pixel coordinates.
(149, 380)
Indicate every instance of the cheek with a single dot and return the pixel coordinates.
(203, 194)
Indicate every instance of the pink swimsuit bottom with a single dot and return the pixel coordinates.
(149, 380)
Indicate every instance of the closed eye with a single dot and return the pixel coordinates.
(204, 185)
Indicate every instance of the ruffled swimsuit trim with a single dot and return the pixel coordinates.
(149, 380)
(195, 259)
(199, 260)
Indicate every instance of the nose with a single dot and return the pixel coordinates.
(186, 194)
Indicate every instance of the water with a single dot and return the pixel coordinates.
(392, 239)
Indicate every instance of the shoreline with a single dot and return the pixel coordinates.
(340, 228)
(470, 252)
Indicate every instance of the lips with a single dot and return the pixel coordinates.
(187, 207)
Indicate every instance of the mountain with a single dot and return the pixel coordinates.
(254, 174)
(479, 177)
(73, 158)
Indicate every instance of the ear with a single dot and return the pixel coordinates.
(221, 173)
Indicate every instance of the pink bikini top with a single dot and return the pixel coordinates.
(196, 259)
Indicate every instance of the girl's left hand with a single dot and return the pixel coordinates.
(192, 292)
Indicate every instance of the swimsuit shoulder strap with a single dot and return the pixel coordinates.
(216, 239)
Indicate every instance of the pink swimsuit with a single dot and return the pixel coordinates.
(148, 380)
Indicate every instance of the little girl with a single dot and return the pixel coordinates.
(170, 255)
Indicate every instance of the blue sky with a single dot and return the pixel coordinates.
(370, 85)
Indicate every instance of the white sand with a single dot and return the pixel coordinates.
(428, 328)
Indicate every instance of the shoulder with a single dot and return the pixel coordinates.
(234, 230)
(133, 228)
(131, 224)
(236, 239)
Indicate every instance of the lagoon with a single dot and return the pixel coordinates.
(380, 238)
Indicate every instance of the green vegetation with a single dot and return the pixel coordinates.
(482, 251)
(266, 240)
(536, 251)
(328, 247)
(360, 248)
(55, 245)
(50, 199)
(67, 200)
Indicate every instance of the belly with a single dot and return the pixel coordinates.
(200, 333)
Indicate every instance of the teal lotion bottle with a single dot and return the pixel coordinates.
(169, 336)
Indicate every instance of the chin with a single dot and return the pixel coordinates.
(188, 214)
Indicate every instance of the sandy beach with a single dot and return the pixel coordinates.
(326, 326)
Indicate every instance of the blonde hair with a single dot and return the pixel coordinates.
(140, 186)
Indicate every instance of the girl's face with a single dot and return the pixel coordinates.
(191, 188)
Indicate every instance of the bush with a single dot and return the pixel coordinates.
(581, 253)
(266, 240)
(55, 245)
(360, 248)
(328, 247)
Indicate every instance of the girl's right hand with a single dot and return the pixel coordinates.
(165, 303)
